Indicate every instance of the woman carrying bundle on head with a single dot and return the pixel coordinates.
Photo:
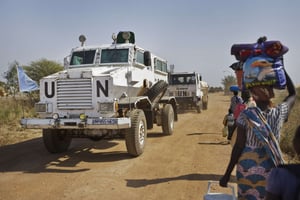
(256, 150)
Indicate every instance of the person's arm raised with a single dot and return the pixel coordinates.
(291, 98)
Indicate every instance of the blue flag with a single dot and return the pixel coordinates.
(26, 84)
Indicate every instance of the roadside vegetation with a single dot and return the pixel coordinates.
(290, 127)
(12, 110)
(15, 105)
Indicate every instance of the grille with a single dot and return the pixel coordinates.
(74, 94)
(182, 93)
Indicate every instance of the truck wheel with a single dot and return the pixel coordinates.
(199, 106)
(204, 105)
(55, 141)
(168, 119)
(156, 91)
(136, 136)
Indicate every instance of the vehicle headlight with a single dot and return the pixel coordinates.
(43, 107)
(55, 116)
(82, 117)
(107, 106)
(40, 107)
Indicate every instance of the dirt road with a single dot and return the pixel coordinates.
(172, 167)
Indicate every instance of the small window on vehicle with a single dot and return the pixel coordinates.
(140, 57)
(160, 65)
(164, 67)
(83, 57)
(193, 80)
(190, 79)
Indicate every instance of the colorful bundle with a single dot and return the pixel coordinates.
(262, 64)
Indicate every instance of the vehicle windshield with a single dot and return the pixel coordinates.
(83, 57)
(182, 79)
(114, 55)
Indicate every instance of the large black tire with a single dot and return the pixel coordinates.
(167, 119)
(156, 91)
(56, 141)
(136, 136)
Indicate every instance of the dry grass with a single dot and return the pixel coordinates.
(12, 110)
(290, 126)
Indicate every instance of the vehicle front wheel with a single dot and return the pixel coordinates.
(135, 137)
(56, 141)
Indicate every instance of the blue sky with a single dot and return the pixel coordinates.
(194, 35)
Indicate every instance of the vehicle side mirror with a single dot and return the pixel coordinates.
(147, 58)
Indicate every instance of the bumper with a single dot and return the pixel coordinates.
(90, 123)
(185, 100)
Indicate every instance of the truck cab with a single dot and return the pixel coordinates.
(189, 90)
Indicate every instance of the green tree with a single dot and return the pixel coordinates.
(41, 68)
(12, 85)
(227, 82)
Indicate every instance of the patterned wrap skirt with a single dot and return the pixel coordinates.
(253, 169)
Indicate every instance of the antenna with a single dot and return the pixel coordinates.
(114, 37)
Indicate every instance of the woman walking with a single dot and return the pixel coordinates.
(256, 150)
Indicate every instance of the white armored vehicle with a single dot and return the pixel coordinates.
(108, 91)
(189, 90)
